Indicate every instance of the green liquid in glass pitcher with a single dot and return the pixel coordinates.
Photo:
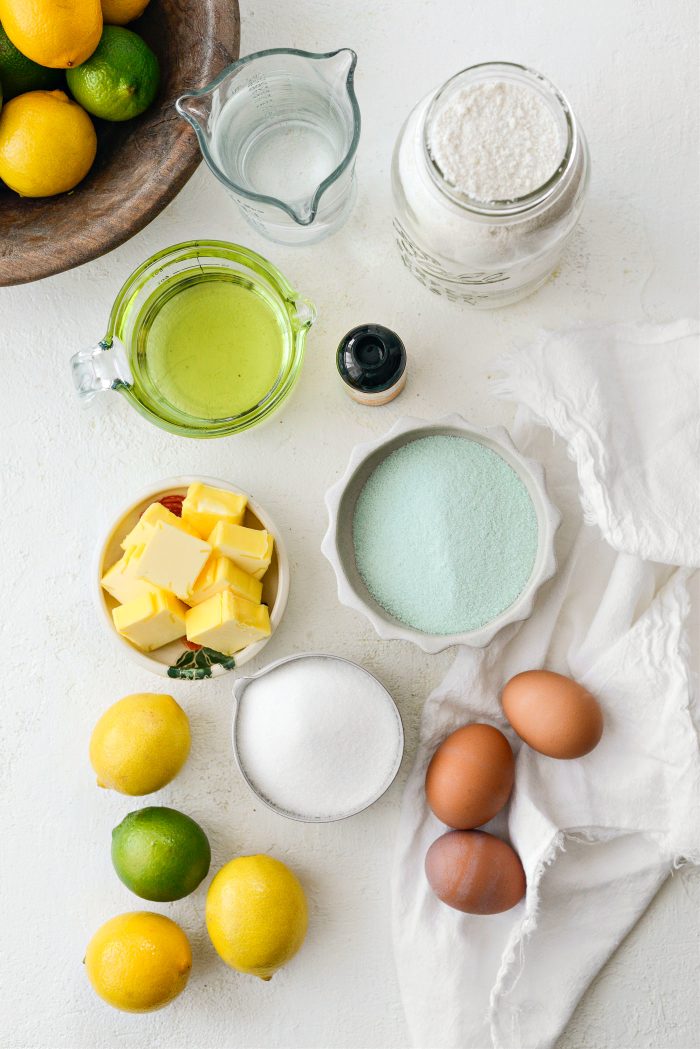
(209, 347)
(205, 339)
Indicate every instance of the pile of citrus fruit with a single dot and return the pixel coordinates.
(48, 141)
(255, 914)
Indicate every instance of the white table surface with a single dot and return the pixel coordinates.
(630, 69)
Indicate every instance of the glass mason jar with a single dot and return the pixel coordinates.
(484, 253)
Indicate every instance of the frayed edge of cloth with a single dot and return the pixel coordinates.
(513, 959)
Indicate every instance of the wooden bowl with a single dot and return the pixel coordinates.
(141, 164)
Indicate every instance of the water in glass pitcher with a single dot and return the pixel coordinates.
(283, 149)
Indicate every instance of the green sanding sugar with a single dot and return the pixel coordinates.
(445, 535)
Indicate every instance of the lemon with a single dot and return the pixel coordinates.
(256, 915)
(47, 143)
(53, 34)
(19, 74)
(160, 854)
(120, 80)
(139, 961)
(140, 743)
(119, 12)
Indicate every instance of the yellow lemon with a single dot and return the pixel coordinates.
(47, 143)
(59, 35)
(140, 743)
(256, 915)
(139, 961)
(120, 12)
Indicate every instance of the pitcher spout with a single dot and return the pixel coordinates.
(339, 66)
(305, 212)
(197, 107)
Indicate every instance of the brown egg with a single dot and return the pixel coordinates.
(474, 872)
(470, 776)
(553, 714)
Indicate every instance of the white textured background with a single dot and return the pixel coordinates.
(630, 70)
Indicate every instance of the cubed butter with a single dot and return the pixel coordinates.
(122, 579)
(172, 559)
(151, 620)
(205, 506)
(219, 573)
(151, 516)
(249, 548)
(227, 623)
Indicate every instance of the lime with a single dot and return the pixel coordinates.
(19, 74)
(120, 79)
(160, 854)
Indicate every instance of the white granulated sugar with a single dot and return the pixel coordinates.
(496, 140)
(318, 737)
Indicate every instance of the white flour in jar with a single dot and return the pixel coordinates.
(496, 140)
(491, 251)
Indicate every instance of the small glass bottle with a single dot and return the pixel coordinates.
(371, 361)
(484, 253)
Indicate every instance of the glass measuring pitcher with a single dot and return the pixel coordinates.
(204, 339)
(280, 130)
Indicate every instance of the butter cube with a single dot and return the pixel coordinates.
(151, 620)
(205, 506)
(221, 574)
(143, 529)
(122, 580)
(227, 623)
(172, 559)
(249, 548)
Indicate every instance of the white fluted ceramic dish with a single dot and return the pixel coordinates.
(338, 544)
(176, 660)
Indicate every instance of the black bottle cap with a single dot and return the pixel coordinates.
(371, 358)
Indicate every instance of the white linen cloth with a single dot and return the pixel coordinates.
(597, 836)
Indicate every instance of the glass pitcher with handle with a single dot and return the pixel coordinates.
(205, 339)
(280, 130)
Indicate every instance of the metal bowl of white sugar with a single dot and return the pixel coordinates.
(316, 737)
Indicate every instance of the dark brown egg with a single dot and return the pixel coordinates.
(470, 776)
(474, 872)
(553, 714)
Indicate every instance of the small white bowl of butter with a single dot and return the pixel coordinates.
(217, 576)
